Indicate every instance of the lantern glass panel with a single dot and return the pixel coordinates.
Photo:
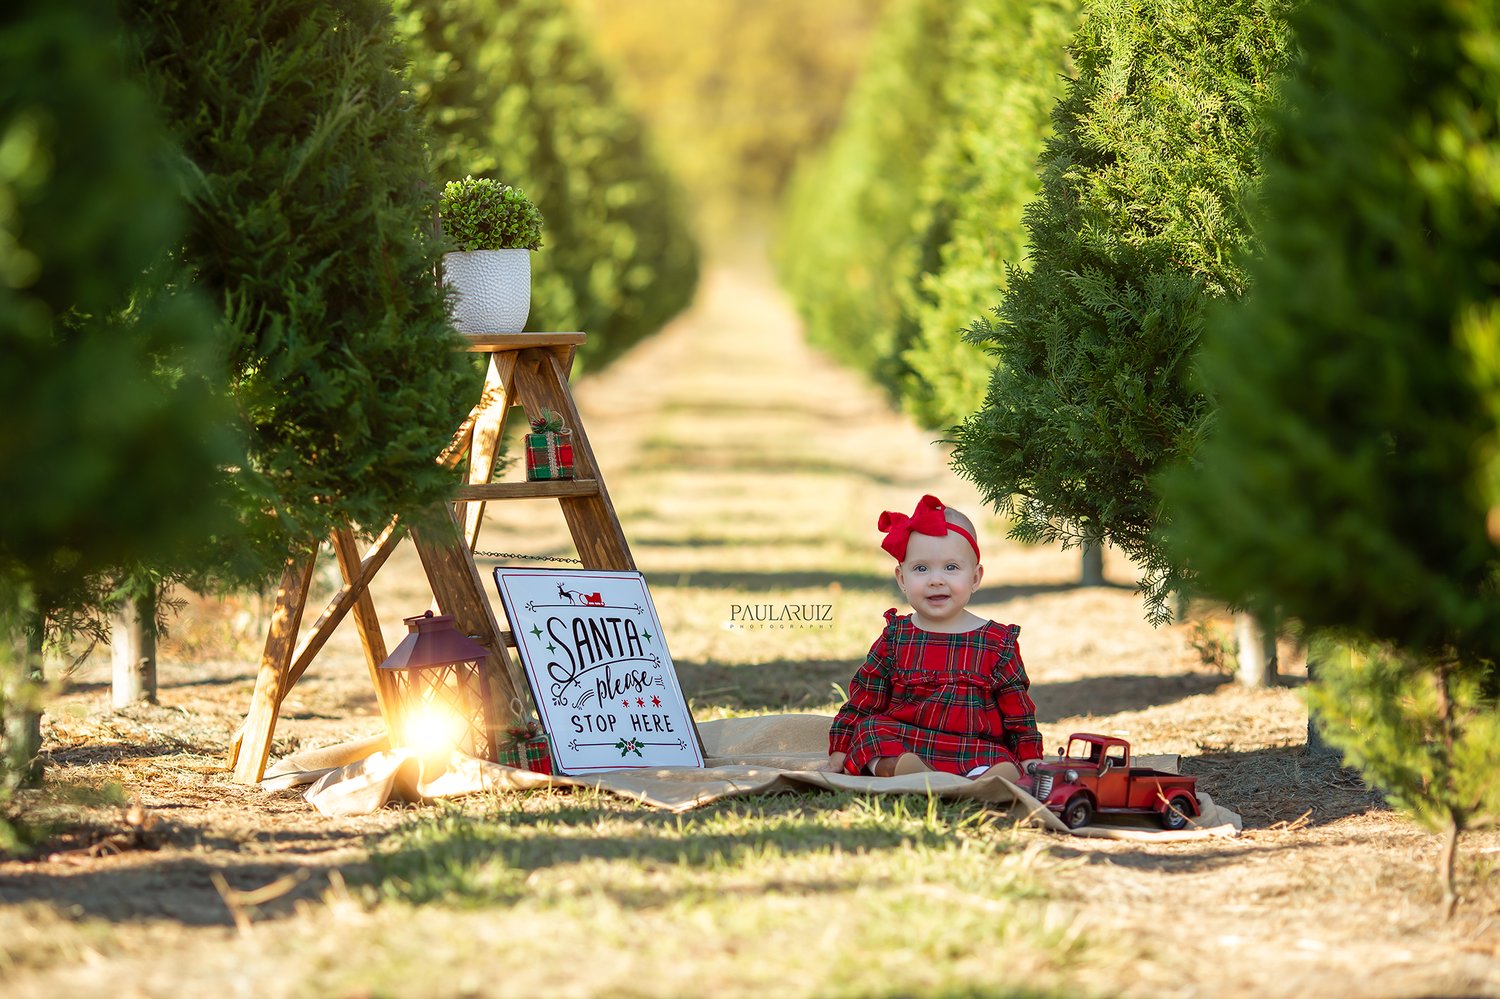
(445, 708)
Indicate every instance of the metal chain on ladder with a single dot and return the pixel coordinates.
(529, 558)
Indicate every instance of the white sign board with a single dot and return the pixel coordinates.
(599, 669)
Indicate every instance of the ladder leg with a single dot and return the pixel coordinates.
(456, 586)
(542, 383)
(488, 427)
(365, 619)
(249, 753)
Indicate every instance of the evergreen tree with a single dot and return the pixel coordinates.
(311, 208)
(847, 246)
(1351, 473)
(513, 91)
(109, 434)
(1422, 729)
(1140, 224)
(1008, 68)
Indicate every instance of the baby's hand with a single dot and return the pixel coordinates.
(834, 764)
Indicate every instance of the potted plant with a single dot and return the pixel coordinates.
(495, 227)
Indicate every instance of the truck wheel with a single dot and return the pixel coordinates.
(1079, 812)
(1175, 816)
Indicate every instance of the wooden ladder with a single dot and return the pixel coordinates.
(526, 369)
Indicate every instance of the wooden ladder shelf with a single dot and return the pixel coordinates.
(529, 370)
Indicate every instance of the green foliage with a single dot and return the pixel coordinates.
(485, 215)
(1008, 67)
(110, 435)
(1351, 470)
(310, 225)
(1140, 224)
(896, 237)
(108, 432)
(1426, 735)
(511, 90)
(846, 250)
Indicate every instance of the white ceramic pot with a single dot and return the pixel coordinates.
(492, 289)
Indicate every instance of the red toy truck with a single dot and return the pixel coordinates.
(1094, 776)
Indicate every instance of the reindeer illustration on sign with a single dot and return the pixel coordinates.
(578, 597)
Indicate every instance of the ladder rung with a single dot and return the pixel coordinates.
(528, 490)
(492, 342)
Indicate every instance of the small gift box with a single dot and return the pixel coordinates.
(525, 748)
(549, 449)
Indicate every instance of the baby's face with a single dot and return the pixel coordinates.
(939, 576)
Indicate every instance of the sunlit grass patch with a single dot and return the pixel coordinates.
(820, 895)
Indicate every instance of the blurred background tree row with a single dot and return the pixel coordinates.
(735, 91)
(513, 90)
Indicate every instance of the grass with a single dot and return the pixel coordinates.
(840, 895)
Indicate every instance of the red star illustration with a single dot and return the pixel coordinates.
(640, 702)
(655, 701)
(625, 701)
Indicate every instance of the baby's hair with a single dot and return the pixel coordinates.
(958, 517)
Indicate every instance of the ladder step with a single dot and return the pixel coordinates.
(528, 490)
(492, 342)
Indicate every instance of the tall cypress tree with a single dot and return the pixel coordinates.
(110, 434)
(1140, 224)
(310, 222)
(847, 247)
(1351, 477)
(1009, 66)
(512, 90)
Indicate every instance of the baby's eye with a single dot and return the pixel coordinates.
(952, 566)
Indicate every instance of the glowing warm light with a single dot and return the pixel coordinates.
(432, 730)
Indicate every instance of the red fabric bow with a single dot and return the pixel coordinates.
(927, 519)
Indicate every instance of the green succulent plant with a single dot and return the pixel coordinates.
(484, 214)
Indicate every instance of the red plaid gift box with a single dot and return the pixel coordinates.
(526, 748)
(549, 449)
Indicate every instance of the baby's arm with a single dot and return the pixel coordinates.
(869, 693)
(1013, 698)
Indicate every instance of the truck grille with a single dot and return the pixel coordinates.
(1043, 786)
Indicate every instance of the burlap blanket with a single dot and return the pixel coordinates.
(759, 755)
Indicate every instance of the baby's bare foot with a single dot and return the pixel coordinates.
(896, 766)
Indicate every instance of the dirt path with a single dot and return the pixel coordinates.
(748, 472)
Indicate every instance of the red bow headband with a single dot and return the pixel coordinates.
(927, 518)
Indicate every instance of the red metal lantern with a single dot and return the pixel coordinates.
(440, 690)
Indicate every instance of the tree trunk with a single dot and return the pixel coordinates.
(133, 649)
(1092, 572)
(1446, 860)
(22, 722)
(1255, 651)
(1316, 744)
(1455, 816)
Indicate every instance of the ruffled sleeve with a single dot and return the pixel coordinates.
(1013, 697)
(869, 691)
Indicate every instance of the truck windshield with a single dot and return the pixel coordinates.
(1083, 749)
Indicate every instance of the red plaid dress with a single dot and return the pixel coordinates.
(957, 701)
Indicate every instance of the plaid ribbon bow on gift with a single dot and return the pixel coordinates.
(549, 421)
